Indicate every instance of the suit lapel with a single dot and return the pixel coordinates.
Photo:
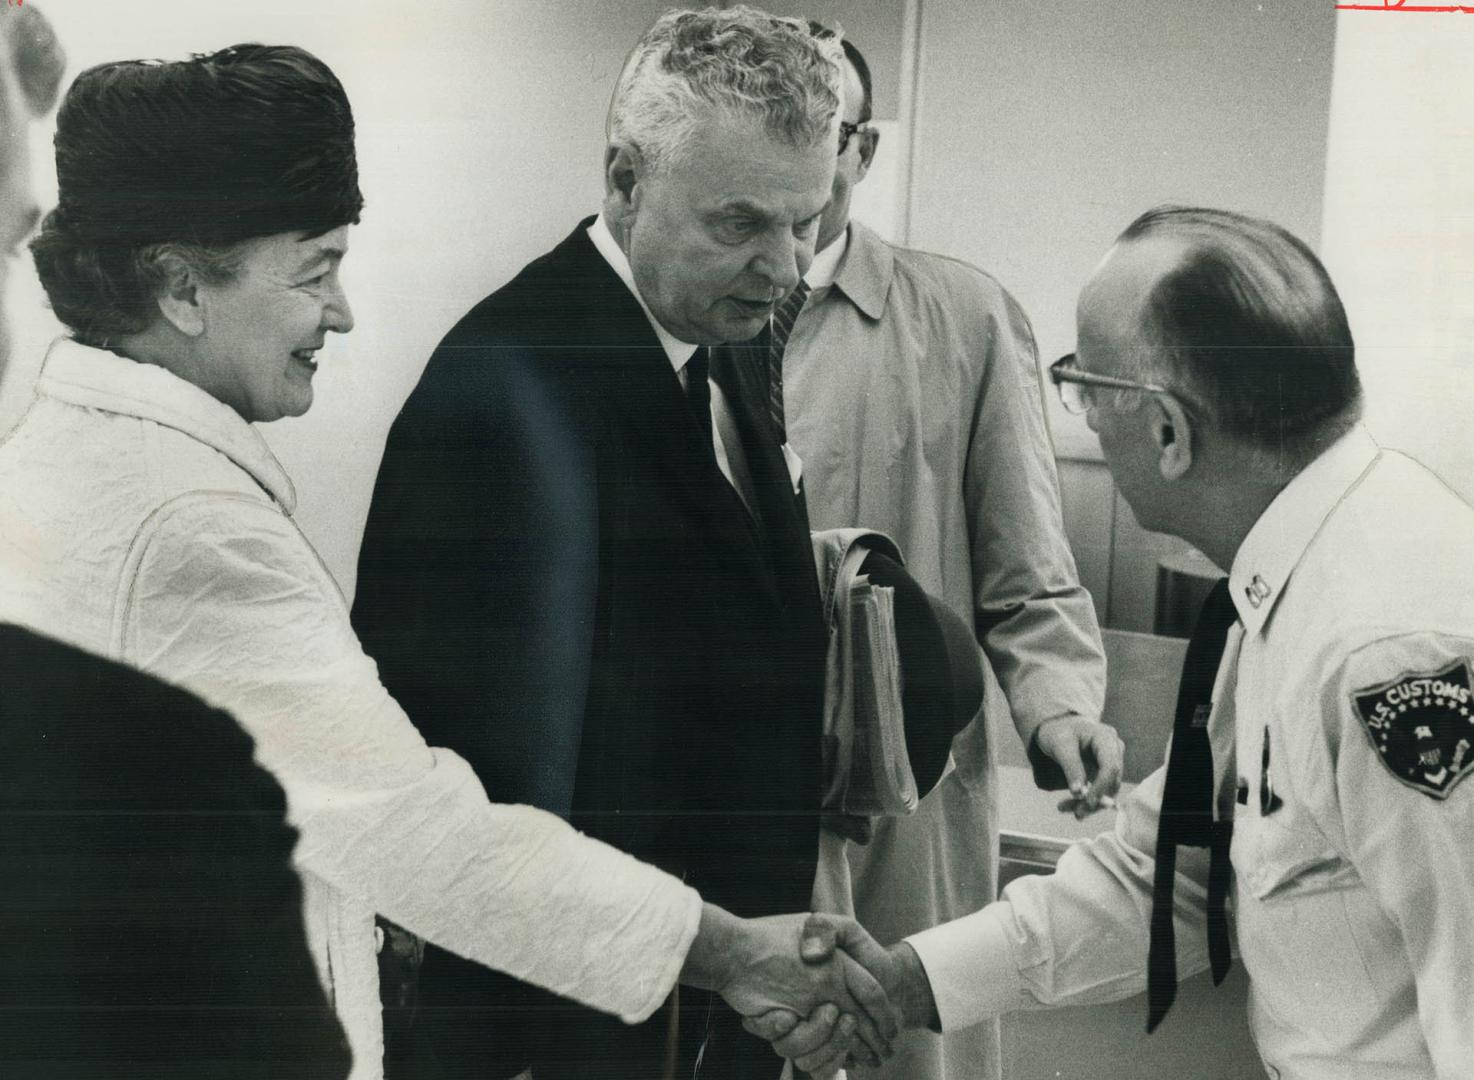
(633, 375)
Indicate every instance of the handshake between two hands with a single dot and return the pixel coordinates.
(818, 987)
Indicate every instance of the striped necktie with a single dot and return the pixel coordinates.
(1187, 809)
(783, 319)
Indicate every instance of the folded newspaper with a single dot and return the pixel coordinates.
(871, 773)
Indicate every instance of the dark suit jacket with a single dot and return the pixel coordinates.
(558, 583)
(150, 918)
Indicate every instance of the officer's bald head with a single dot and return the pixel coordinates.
(1246, 321)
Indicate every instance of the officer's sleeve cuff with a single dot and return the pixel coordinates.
(971, 966)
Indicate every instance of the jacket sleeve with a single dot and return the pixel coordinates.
(229, 600)
(479, 567)
(476, 590)
(1035, 621)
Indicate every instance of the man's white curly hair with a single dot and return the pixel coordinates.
(738, 60)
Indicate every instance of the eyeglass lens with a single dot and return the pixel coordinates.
(1075, 397)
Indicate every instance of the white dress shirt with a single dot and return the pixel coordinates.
(1353, 863)
(825, 267)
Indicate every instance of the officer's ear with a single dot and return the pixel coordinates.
(1171, 430)
(869, 140)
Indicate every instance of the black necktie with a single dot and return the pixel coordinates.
(1187, 809)
(698, 392)
(783, 320)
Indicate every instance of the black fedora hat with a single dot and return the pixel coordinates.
(941, 669)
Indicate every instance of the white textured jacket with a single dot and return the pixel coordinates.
(144, 520)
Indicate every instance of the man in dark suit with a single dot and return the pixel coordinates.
(150, 917)
(587, 567)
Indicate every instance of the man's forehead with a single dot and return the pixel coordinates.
(736, 165)
(12, 118)
(31, 53)
(16, 200)
(763, 199)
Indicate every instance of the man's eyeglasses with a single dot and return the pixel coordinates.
(1074, 385)
(846, 129)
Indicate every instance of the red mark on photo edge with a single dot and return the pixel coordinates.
(1403, 5)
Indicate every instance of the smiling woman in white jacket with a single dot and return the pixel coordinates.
(143, 518)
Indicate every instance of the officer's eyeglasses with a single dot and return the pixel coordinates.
(846, 129)
(1074, 385)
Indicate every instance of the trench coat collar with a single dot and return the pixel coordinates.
(865, 272)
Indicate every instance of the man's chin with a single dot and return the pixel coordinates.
(736, 329)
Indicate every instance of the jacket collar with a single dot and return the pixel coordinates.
(97, 379)
(679, 352)
(865, 273)
(1277, 542)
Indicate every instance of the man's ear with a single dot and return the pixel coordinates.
(869, 140)
(1172, 433)
(179, 296)
(624, 173)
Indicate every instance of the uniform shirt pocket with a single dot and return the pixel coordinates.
(1277, 859)
(1297, 915)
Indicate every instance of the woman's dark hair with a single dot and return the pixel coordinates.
(191, 158)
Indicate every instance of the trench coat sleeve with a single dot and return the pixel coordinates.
(1034, 619)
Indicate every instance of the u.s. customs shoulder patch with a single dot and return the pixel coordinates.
(1422, 726)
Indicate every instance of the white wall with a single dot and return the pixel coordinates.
(1399, 229)
(1045, 126)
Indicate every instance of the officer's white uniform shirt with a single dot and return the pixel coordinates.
(1353, 850)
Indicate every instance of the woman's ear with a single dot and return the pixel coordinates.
(179, 297)
(1172, 434)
